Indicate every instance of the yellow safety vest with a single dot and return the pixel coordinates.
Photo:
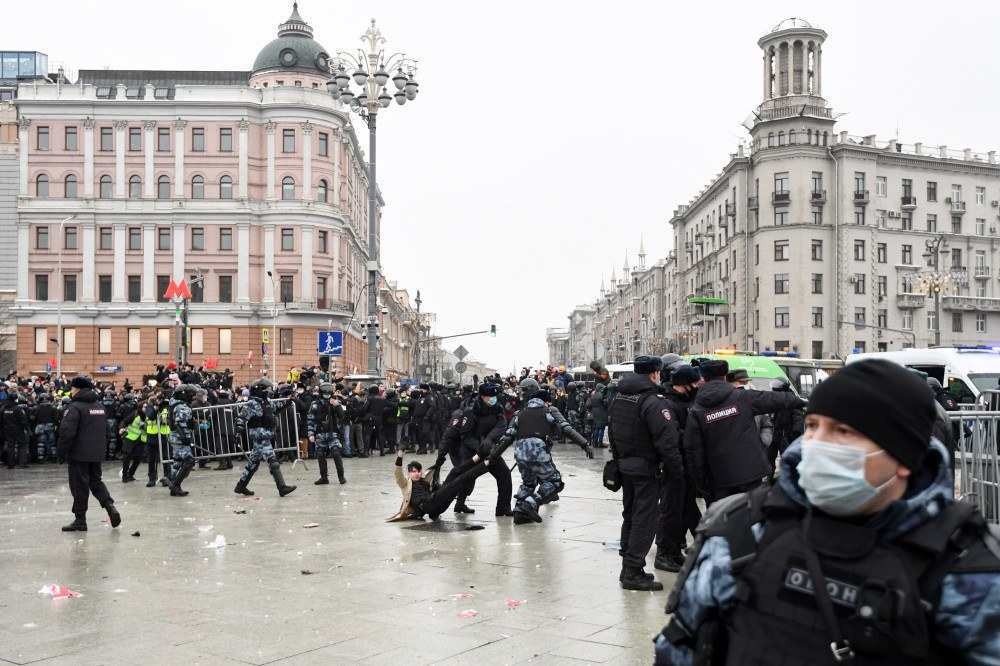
(164, 421)
(134, 430)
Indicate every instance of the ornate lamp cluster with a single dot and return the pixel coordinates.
(371, 74)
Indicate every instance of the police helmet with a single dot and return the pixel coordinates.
(185, 393)
(326, 390)
(261, 388)
(528, 388)
(544, 394)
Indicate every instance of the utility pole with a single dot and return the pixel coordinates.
(416, 347)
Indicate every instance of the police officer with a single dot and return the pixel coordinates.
(678, 501)
(424, 416)
(14, 415)
(256, 418)
(83, 437)
(643, 435)
(857, 554)
(530, 430)
(181, 438)
(134, 444)
(323, 424)
(45, 427)
(722, 445)
(110, 404)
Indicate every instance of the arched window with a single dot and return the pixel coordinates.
(770, 139)
(226, 187)
(42, 186)
(197, 187)
(135, 187)
(321, 191)
(163, 187)
(105, 187)
(287, 187)
(69, 187)
(781, 138)
(791, 137)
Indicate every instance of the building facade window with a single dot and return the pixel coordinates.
(162, 284)
(197, 341)
(70, 239)
(41, 340)
(134, 340)
(817, 317)
(163, 187)
(932, 323)
(104, 288)
(41, 287)
(134, 288)
(287, 188)
(782, 317)
(906, 221)
(163, 341)
(135, 187)
(41, 238)
(780, 218)
(42, 138)
(288, 141)
(956, 322)
(883, 286)
(42, 186)
(932, 223)
(981, 322)
(859, 315)
(859, 182)
(781, 182)
(287, 239)
(881, 253)
(322, 192)
(980, 195)
(197, 289)
(931, 190)
(198, 139)
(980, 226)
(817, 283)
(956, 224)
(285, 336)
(781, 250)
(70, 139)
(225, 288)
(134, 139)
(105, 187)
(197, 187)
(163, 139)
(907, 255)
(107, 142)
(906, 320)
(104, 341)
(859, 216)
(225, 341)
(859, 250)
(105, 238)
(134, 238)
(781, 283)
(881, 186)
(198, 238)
(816, 248)
(323, 242)
(164, 240)
(324, 144)
(883, 318)
(226, 140)
(817, 216)
(286, 289)
(69, 340)
(226, 187)
(226, 238)
(859, 283)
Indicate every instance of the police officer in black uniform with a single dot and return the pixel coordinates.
(14, 416)
(678, 502)
(643, 435)
(83, 436)
(857, 554)
(722, 445)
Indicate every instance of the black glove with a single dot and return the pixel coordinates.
(61, 460)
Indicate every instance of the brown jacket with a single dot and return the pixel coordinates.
(406, 512)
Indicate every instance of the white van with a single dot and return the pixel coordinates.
(966, 371)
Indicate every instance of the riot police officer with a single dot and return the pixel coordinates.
(14, 416)
(643, 435)
(856, 554)
(324, 423)
(256, 418)
(181, 437)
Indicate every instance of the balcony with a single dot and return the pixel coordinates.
(781, 198)
(910, 301)
(324, 304)
(908, 203)
(753, 203)
(861, 197)
(982, 272)
(970, 304)
(957, 207)
(817, 197)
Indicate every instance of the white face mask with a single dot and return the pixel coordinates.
(833, 477)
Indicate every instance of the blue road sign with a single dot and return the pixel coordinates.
(330, 343)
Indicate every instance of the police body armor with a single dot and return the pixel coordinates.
(327, 421)
(631, 443)
(265, 420)
(882, 594)
(531, 422)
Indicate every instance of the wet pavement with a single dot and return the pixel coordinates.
(352, 589)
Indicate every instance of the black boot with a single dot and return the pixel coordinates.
(462, 508)
(175, 483)
(279, 481)
(503, 512)
(669, 560)
(79, 524)
(132, 468)
(241, 488)
(338, 462)
(224, 464)
(323, 480)
(634, 578)
(526, 513)
(113, 515)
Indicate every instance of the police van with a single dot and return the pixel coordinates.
(965, 370)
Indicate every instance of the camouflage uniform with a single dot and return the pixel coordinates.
(964, 621)
(540, 480)
(323, 422)
(256, 418)
(181, 439)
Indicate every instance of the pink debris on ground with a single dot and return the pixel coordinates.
(462, 595)
(514, 603)
(466, 614)
(59, 591)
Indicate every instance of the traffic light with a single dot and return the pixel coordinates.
(493, 330)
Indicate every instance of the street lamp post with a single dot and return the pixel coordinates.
(274, 329)
(371, 74)
(934, 282)
(62, 298)
(416, 347)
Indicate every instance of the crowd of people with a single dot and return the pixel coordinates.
(830, 530)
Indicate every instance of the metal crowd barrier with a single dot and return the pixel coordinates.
(977, 460)
(989, 401)
(216, 435)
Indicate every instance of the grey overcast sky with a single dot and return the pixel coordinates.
(550, 135)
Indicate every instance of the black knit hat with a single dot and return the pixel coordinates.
(685, 375)
(81, 382)
(489, 390)
(883, 401)
(713, 369)
(647, 365)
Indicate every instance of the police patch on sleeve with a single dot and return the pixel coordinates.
(666, 415)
